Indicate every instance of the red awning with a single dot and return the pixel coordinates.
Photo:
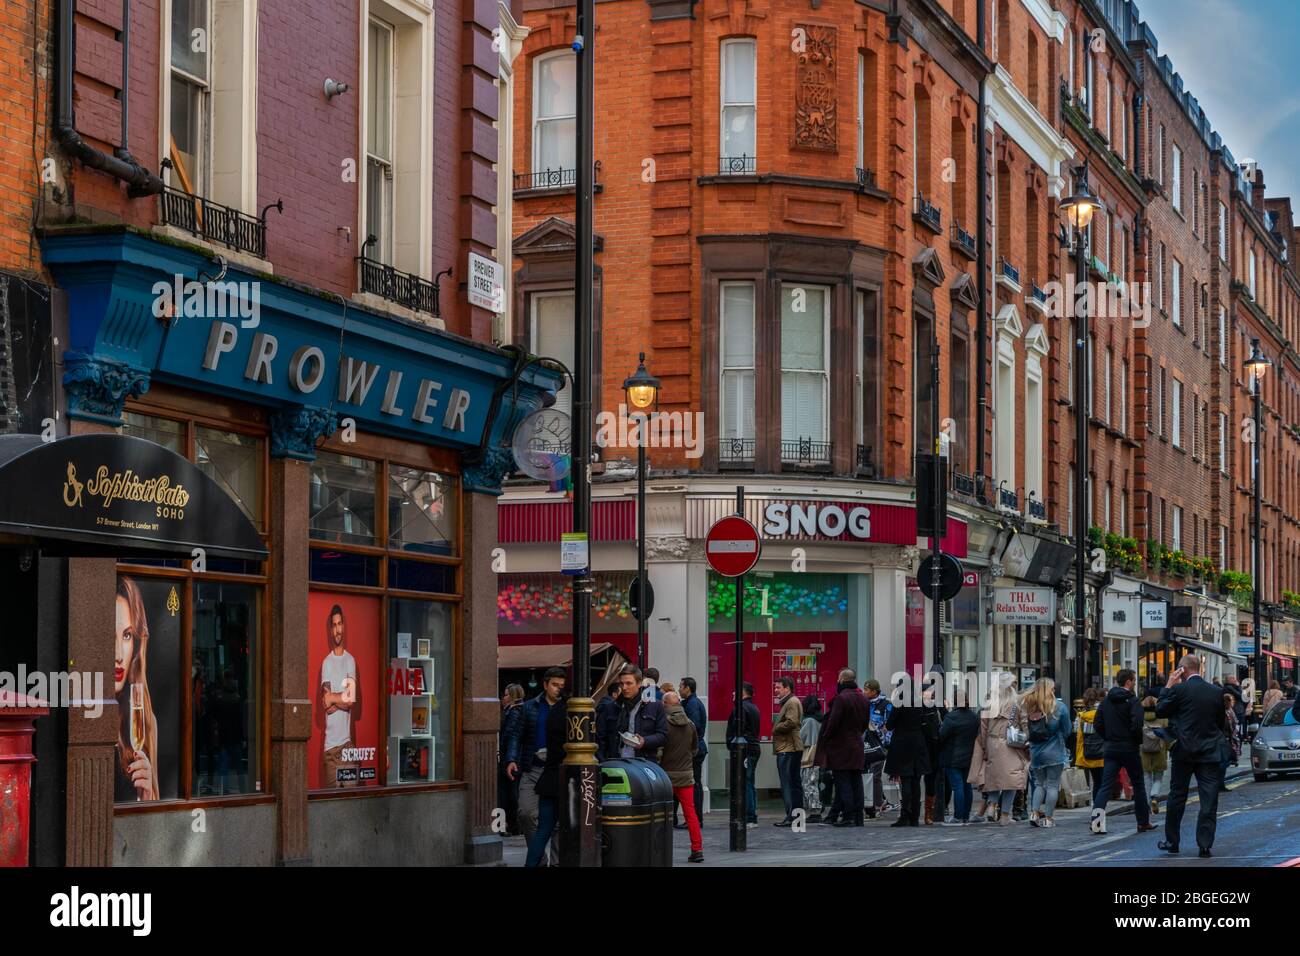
(538, 522)
(1286, 663)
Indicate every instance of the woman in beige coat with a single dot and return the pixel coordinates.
(997, 768)
(1272, 695)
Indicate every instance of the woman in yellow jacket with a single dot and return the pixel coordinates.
(1088, 744)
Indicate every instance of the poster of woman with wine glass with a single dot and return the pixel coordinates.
(146, 764)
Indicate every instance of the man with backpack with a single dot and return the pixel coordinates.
(1119, 722)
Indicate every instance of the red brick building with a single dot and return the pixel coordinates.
(325, 169)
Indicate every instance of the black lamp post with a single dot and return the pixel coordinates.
(1078, 208)
(1257, 364)
(642, 390)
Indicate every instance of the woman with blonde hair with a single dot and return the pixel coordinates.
(1000, 762)
(136, 768)
(1049, 727)
(1272, 695)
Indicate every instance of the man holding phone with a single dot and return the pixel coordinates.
(1194, 708)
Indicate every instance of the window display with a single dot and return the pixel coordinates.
(343, 668)
(225, 689)
(420, 700)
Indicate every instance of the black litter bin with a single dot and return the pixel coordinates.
(636, 808)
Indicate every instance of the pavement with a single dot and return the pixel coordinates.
(1259, 825)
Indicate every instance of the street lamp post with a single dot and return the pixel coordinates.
(1078, 208)
(579, 816)
(642, 390)
(1257, 364)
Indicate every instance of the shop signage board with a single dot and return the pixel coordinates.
(1245, 644)
(108, 494)
(732, 546)
(1024, 605)
(1155, 614)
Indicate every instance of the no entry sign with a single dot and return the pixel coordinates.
(732, 546)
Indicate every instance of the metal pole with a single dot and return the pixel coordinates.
(1257, 575)
(936, 539)
(738, 829)
(1081, 458)
(579, 798)
(641, 649)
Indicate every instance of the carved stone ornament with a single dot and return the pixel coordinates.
(815, 116)
(667, 548)
(296, 430)
(98, 388)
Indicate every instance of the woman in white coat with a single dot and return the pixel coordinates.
(998, 767)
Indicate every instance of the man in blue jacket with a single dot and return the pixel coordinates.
(525, 745)
(644, 721)
(699, 716)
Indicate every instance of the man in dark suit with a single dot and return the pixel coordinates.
(1194, 708)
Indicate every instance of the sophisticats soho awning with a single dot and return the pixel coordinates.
(107, 495)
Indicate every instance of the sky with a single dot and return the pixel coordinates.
(1241, 60)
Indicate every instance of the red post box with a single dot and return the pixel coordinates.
(17, 725)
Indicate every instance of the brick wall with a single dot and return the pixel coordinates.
(24, 98)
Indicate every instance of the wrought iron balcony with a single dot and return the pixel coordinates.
(547, 179)
(403, 288)
(214, 222)
(866, 178)
(737, 165)
(963, 484)
(1036, 510)
(1036, 292)
(927, 214)
(1008, 271)
(733, 451)
(963, 239)
(805, 451)
(866, 467)
(1008, 500)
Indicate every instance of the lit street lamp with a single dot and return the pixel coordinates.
(1078, 208)
(1256, 365)
(642, 390)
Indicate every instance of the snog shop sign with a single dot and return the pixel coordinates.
(865, 521)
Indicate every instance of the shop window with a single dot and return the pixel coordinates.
(161, 431)
(234, 462)
(422, 514)
(805, 364)
(342, 499)
(382, 665)
(555, 113)
(738, 96)
(226, 721)
(167, 612)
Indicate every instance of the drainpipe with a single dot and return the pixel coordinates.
(141, 182)
(981, 271)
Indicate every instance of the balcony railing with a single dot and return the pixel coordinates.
(927, 214)
(866, 178)
(1008, 499)
(547, 179)
(737, 165)
(1036, 510)
(403, 288)
(214, 222)
(734, 451)
(963, 484)
(963, 239)
(805, 451)
(866, 467)
(1036, 292)
(1008, 271)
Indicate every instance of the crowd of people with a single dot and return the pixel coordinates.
(1013, 751)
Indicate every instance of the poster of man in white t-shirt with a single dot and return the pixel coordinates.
(339, 702)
